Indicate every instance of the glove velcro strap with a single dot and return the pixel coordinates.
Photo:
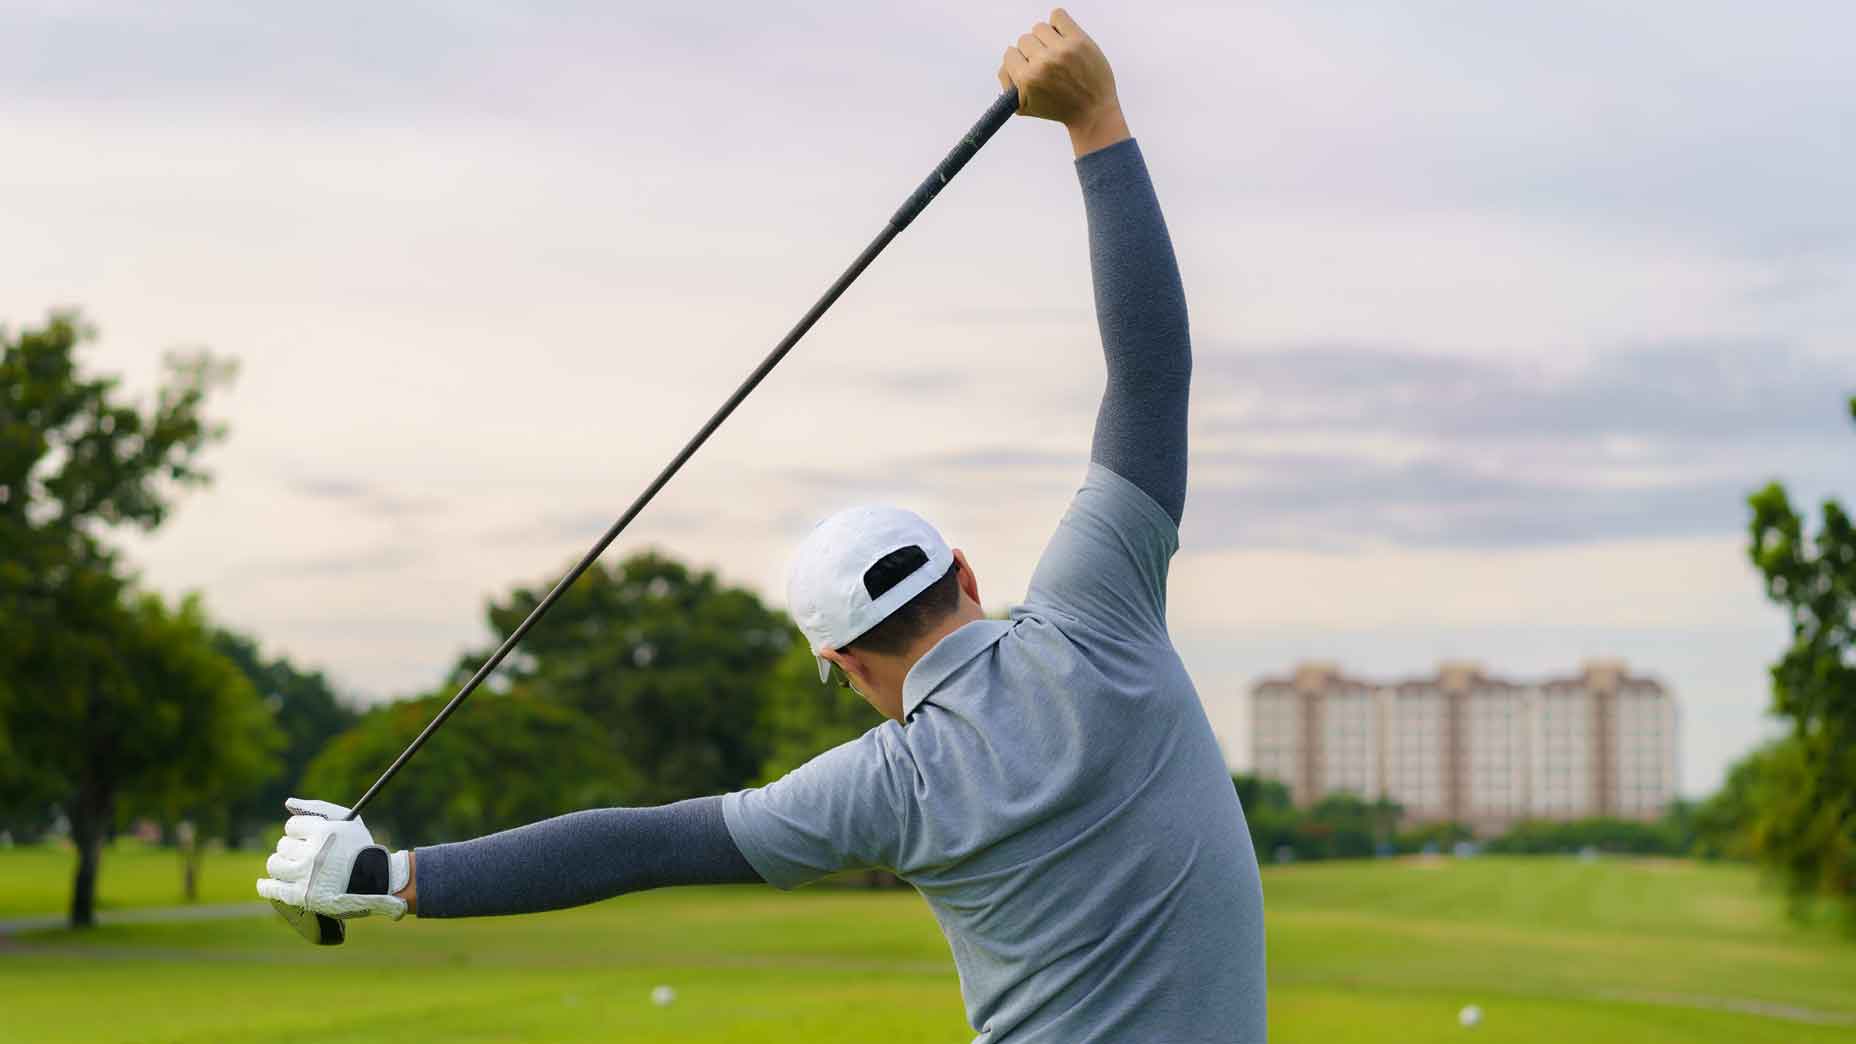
(369, 875)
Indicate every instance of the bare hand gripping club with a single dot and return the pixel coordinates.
(328, 931)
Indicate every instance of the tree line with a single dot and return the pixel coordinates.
(650, 681)
(1347, 826)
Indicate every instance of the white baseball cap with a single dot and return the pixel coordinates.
(825, 588)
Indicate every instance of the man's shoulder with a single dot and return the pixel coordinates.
(1107, 563)
(1127, 502)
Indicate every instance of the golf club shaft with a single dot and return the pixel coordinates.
(1001, 110)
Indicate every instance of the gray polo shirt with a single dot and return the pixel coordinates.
(1056, 795)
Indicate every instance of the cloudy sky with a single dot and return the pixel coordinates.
(1499, 312)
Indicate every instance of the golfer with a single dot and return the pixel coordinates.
(1048, 782)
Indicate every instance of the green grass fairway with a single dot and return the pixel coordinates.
(1551, 949)
(37, 879)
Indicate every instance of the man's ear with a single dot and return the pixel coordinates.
(969, 584)
(852, 666)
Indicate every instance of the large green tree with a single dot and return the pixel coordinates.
(78, 458)
(137, 713)
(673, 664)
(1807, 829)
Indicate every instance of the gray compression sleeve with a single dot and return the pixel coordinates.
(580, 858)
(1141, 310)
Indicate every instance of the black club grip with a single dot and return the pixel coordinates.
(1001, 110)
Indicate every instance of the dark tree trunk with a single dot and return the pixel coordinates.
(90, 815)
(190, 843)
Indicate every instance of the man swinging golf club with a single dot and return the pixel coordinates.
(1048, 782)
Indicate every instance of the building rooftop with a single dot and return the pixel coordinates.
(1456, 676)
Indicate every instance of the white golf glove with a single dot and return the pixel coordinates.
(314, 865)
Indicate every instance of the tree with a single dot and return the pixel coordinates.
(77, 458)
(1434, 837)
(1680, 826)
(1339, 826)
(1605, 834)
(218, 743)
(505, 759)
(28, 799)
(672, 663)
(1346, 826)
(804, 716)
(1723, 820)
(1807, 829)
(304, 706)
(1258, 793)
(1270, 812)
(142, 716)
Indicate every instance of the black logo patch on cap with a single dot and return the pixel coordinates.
(892, 569)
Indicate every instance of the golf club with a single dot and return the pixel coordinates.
(328, 931)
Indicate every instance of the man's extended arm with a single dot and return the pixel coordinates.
(565, 861)
(578, 858)
(1141, 310)
(1140, 433)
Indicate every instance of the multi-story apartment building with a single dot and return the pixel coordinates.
(1461, 745)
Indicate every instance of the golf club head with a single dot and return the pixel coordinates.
(318, 929)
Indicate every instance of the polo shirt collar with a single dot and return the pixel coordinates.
(948, 655)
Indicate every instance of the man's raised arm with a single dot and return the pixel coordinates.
(1140, 431)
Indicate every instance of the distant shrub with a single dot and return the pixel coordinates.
(1538, 837)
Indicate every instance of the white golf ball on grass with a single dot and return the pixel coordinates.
(1469, 1016)
(662, 996)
